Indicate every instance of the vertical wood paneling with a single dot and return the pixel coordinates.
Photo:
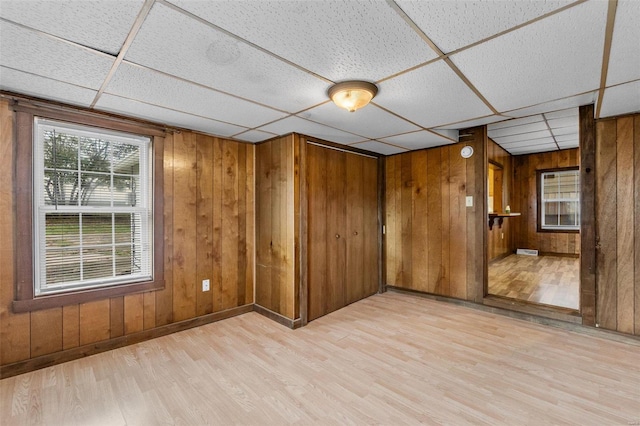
(636, 215)
(193, 188)
(317, 247)
(606, 229)
(625, 222)
(184, 229)
(354, 232)
(229, 224)
(46, 332)
(133, 313)
(587, 243)
(286, 219)
(14, 329)
(370, 226)
(204, 224)
(390, 221)
(420, 220)
(434, 222)
(445, 227)
(457, 256)
(336, 231)
(476, 215)
(406, 221)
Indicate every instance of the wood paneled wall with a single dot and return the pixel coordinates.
(209, 233)
(617, 206)
(434, 243)
(500, 239)
(524, 200)
(277, 201)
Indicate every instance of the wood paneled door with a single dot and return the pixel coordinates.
(342, 228)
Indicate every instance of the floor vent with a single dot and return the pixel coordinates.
(527, 252)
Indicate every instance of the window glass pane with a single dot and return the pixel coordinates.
(126, 260)
(551, 214)
(62, 265)
(97, 229)
(550, 185)
(62, 230)
(60, 188)
(97, 263)
(126, 159)
(568, 211)
(568, 185)
(126, 191)
(96, 189)
(125, 228)
(95, 155)
(60, 151)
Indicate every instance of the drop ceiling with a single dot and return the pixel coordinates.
(251, 70)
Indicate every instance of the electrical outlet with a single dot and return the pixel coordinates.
(206, 285)
(469, 200)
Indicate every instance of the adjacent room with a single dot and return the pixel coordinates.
(319, 212)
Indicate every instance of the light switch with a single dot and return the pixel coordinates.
(469, 200)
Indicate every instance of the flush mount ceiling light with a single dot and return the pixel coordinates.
(352, 95)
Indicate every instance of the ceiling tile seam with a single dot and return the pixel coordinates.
(243, 40)
(606, 52)
(135, 27)
(440, 53)
(506, 113)
(178, 111)
(60, 39)
(518, 134)
(48, 78)
(411, 122)
(253, 130)
(531, 142)
(442, 126)
(204, 86)
(379, 141)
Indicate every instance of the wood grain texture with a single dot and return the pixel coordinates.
(53, 331)
(476, 228)
(587, 241)
(409, 360)
(317, 246)
(204, 224)
(501, 239)
(636, 214)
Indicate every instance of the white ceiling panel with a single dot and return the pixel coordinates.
(621, 99)
(310, 128)
(170, 117)
(523, 137)
(338, 40)
(418, 140)
(569, 144)
(472, 123)
(570, 112)
(28, 51)
(154, 88)
(222, 62)
(371, 122)
(516, 130)
(557, 123)
(431, 96)
(102, 25)
(526, 142)
(33, 85)
(454, 24)
(555, 57)
(567, 138)
(516, 122)
(558, 104)
(379, 147)
(533, 149)
(559, 131)
(624, 61)
(254, 136)
(449, 133)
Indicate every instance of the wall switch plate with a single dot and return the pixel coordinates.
(469, 200)
(206, 285)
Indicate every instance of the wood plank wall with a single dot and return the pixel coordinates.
(434, 243)
(501, 241)
(617, 223)
(277, 284)
(524, 200)
(209, 233)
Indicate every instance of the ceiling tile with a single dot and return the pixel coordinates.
(558, 131)
(516, 130)
(558, 123)
(371, 121)
(452, 134)
(454, 24)
(222, 62)
(532, 150)
(310, 128)
(526, 142)
(555, 57)
(166, 116)
(418, 140)
(379, 147)
(563, 113)
(624, 61)
(43, 55)
(254, 136)
(516, 122)
(568, 137)
(102, 25)
(569, 144)
(472, 123)
(558, 104)
(154, 88)
(621, 99)
(33, 85)
(523, 137)
(431, 96)
(336, 39)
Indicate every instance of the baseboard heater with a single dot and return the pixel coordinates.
(527, 252)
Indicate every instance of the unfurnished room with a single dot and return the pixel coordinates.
(268, 212)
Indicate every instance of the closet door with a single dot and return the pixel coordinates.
(355, 234)
(317, 231)
(337, 234)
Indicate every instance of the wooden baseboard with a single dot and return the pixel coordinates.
(44, 361)
(280, 319)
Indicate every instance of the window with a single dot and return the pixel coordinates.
(93, 212)
(89, 211)
(559, 200)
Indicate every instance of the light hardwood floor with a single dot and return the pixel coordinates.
(389, 359)
(550, 280)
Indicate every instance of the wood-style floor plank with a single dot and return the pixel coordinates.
(388, 359)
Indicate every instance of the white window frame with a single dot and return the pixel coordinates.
(543, 201)
(143, 207)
